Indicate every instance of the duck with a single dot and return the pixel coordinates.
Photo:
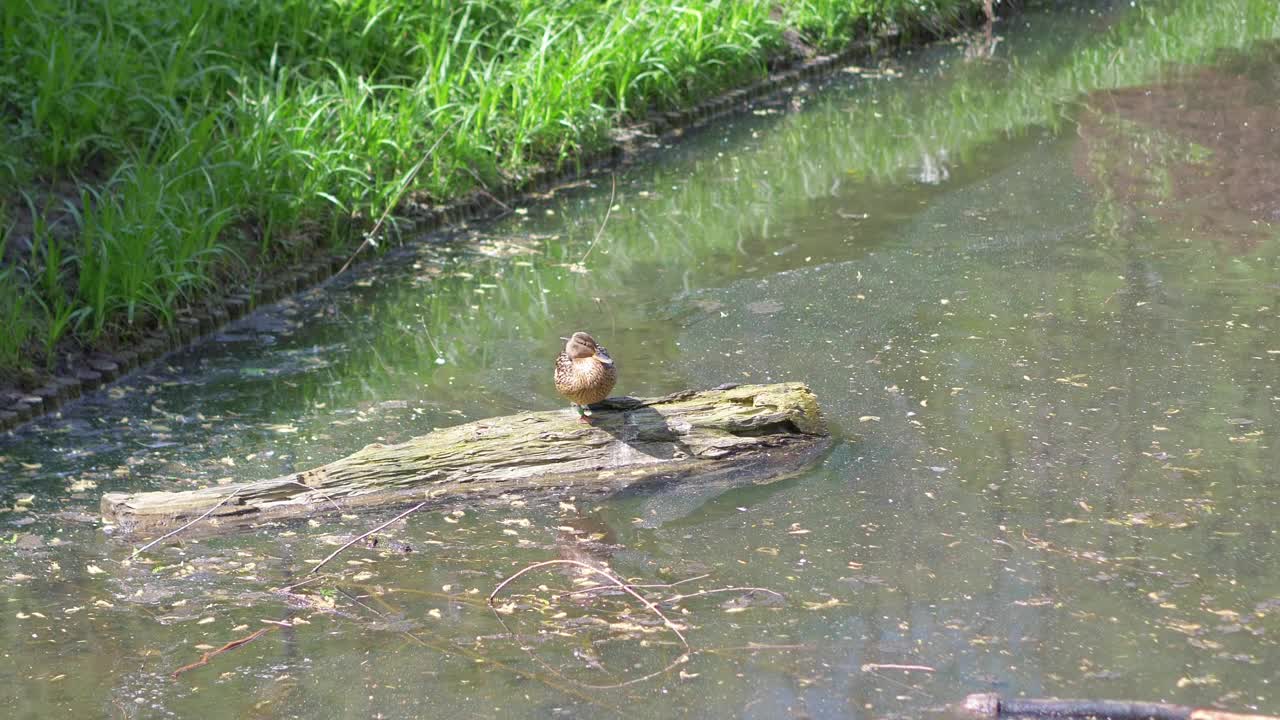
(584, 373)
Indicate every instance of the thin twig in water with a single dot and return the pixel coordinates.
(755, 647)
(455, 649)
(871, 667)
(608, 576)
(219, 504)
(358, 538)
(563, 186)
(899, 683)
(629, 589)
(613, 190)
(673, 598)
(335, 505)
(395, 200)
(682, 659)
(204, 659)
(458, 598)
(485, 190)
(678, 598)
(290, 588)
(204, 515)
(594, 588)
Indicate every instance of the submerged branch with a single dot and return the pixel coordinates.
(989, 706)
(175, 531)
(632, 589)
(618, 583)
(362, 536)
(455, 649)
(204, 659)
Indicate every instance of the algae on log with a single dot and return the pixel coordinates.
(758, 432)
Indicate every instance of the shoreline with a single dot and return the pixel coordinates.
(96, 368)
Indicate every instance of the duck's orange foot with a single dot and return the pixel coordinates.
(584, 419)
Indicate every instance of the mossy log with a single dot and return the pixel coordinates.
(756, 432)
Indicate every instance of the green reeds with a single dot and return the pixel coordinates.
(178, 142)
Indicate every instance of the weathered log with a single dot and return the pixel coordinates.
(757, 432)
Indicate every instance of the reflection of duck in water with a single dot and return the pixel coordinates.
(587, 539)
(584, 373)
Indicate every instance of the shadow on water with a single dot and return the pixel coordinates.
(642, 433)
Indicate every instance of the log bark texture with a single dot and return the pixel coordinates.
(760, 432)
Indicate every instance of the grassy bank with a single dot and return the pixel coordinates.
(151, 152)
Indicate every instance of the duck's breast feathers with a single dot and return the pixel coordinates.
(564, 366)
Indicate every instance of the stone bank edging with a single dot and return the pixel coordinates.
(192, 325)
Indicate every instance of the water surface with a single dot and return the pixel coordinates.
(1035, 293)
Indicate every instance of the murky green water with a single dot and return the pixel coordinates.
(1040, 311)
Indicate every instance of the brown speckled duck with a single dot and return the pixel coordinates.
(584, 373)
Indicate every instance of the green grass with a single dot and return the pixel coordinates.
(159, 148)
(15, 318)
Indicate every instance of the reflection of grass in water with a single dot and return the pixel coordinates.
(689, 222)
(183, 136)
(1160, 152)
(1135, 370)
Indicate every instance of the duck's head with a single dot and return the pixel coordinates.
(582, 345)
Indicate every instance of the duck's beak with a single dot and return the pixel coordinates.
(565, 339)
(603, 358)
